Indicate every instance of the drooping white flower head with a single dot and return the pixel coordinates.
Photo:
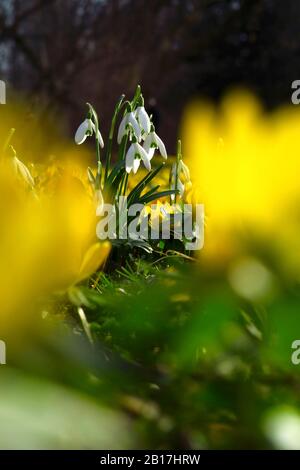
(153, 142)
(129, 122)
(87, 128)
(133, 158)
(143, 119)
(83, 131)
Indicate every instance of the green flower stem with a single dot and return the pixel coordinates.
(121, 157)
(111, 135)
(178, 158)
(95, 119)
(98, 176)
(136, 97)
(125, 184)
(120, 188)
(122, 148)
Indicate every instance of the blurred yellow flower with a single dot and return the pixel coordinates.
(245, 164)
(47, 242)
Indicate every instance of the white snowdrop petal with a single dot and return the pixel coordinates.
(136, 165)
(143, 153)
(151, 152)
(81, 133)
(136, 128)
(144, 119)
(122, 128)
(148, 142)
(161, 147)
(99, 136)
(129, 159)
(145, 157)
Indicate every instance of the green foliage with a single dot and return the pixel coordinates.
(195, 365)
(174, 348)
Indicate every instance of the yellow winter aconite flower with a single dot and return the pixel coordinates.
(245, 164)
(47, 239)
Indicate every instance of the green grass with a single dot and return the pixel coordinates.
(189, 361)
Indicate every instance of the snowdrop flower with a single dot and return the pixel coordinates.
(129, 122)
(143, 119)
(153, 142)
(133, 158)
(87, 128)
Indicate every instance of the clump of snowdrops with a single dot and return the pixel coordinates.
(136, 145)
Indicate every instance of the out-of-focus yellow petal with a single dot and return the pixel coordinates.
(93, 259)
(245, 168)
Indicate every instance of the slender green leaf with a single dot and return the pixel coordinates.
(147, 194)
(153, 197)
(143, 183)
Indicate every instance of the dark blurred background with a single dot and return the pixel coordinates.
(62, 53)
